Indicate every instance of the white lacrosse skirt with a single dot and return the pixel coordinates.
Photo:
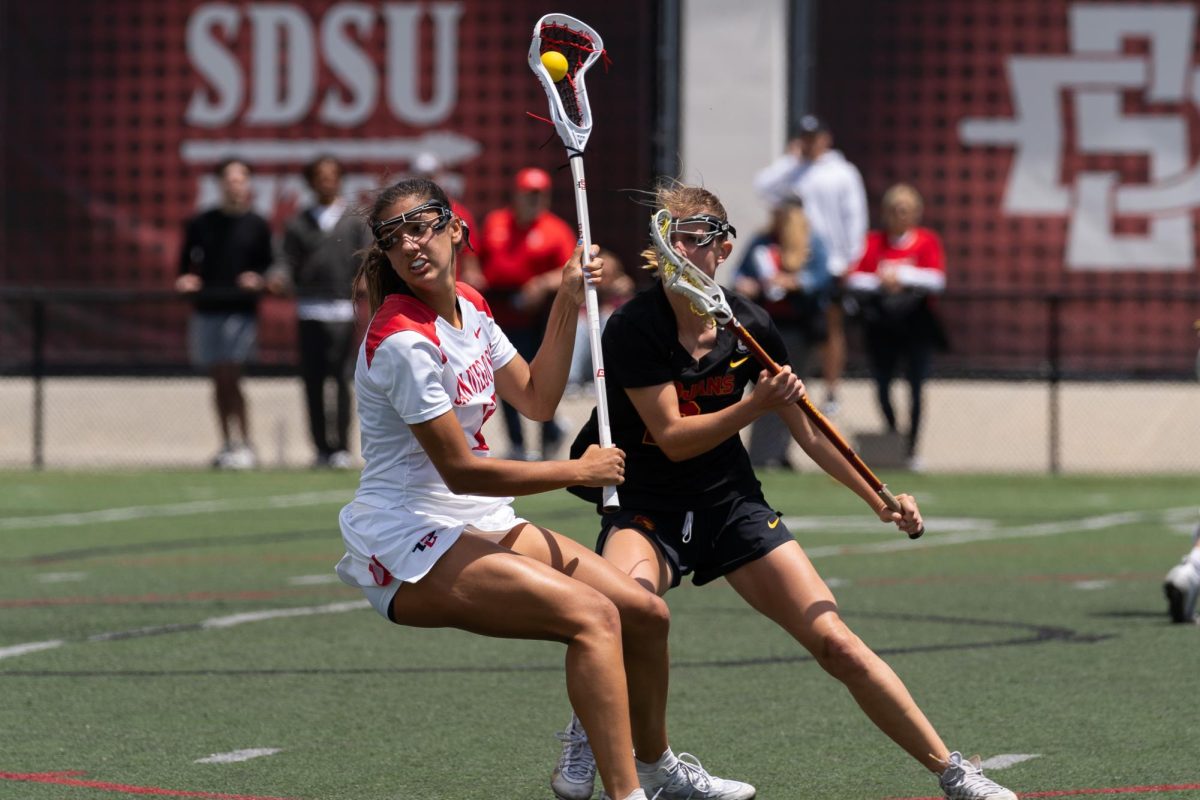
(386, 547)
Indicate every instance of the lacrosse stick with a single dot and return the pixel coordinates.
(580, 46)
(682, 276)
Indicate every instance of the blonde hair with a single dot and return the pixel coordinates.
(795, 239)
(682, 201)
(903, 191)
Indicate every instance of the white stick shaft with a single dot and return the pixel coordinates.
(609, 500)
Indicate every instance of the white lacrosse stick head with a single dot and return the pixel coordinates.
(580, 45)
(680, 275)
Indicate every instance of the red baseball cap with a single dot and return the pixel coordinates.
(532, 179)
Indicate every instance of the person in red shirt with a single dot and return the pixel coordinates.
(894, 283)
(522, 248)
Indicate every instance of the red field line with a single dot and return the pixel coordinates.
(65, 779)
(189, 597)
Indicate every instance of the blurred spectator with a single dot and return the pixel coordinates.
(616, 289)
(1183, 584)
(428, 165)
(225, 252)
(317, 261)
(836, 204)
(522, 249)
(785, 270)
(893, 284)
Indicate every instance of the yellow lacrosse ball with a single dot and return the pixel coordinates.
(556, 64)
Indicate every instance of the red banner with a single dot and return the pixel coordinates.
(117, 112)
(1057, 146)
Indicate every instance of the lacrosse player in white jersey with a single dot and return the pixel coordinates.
(431, 537)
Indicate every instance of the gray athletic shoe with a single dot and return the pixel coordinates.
(686, 779)
(574, 777)
(963, 779)
(1182, 586)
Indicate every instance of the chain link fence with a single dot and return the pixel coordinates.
(1033, 382)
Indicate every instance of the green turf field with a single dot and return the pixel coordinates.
(1028, 622)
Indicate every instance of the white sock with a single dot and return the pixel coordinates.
(636, 794)
(665, 760)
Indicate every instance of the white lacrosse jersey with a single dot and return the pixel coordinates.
(414, 366)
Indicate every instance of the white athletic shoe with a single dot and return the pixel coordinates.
(686, 779)
(237, 458)
(1181, 587)
(340, 459)
(574, 777)
(964, 780)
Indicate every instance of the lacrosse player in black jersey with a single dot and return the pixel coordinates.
(691, 503)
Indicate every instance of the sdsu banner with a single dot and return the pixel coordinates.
(116, 113)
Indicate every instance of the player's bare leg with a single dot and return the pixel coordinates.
(785, 587)
(481, 587)
(645, 623)
(662, 774)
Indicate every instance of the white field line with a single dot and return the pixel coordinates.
(1008, 760)
(60, 577)
(175, 510)
(865, 523)
(235, 756)
(31, 647)
(280, 613)
(1033, 531)
(314, 580)
(1091, 586)
(213, 623)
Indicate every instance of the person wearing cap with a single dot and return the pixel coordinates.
(522, 248)
(835, 201)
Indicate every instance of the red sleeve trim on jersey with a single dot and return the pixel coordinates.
(473, 297)
(398, 313)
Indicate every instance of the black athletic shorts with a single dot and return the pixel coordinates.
(721, 538)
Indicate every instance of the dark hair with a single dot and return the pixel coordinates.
(375, 272)
(224, 164)
(310, 169)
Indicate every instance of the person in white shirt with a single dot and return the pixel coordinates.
(1182, 584)
(835, 202)
(431, 536)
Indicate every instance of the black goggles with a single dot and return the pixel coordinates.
(704, 228)
(390, 231)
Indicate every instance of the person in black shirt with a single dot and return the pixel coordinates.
(691, 503)
(225, 252)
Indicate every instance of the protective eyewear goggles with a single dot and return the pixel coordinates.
(704, 229)
(407, 226)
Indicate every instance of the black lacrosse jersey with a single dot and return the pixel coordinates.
(641, 348)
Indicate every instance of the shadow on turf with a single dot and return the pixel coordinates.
(1030, 634)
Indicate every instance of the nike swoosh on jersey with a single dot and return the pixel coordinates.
(738, 363)
(477, 330)
(773, 524)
